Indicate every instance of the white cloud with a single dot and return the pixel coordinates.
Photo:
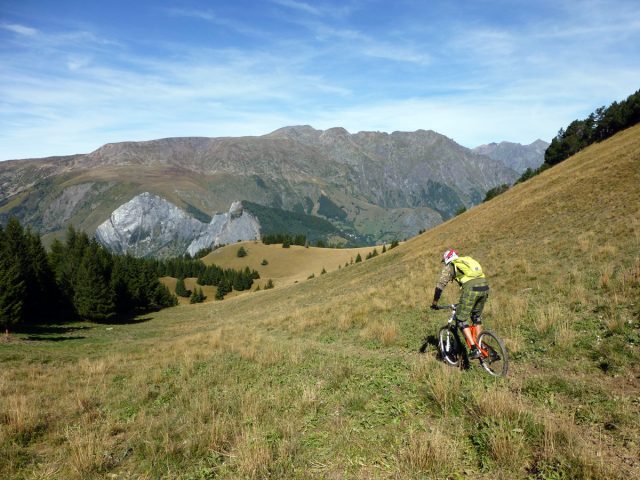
(297, 5)
(19, 29)
(69, 92)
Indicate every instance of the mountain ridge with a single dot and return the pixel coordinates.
(374, 177)
(515, 155)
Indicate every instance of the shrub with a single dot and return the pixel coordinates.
(494, 192)
(198, 296)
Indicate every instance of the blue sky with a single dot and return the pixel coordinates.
(75, 75)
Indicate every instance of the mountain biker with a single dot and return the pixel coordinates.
(473, 296)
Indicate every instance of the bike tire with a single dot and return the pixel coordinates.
(497, 362)
(449, 346)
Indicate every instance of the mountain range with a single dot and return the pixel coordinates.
(514, 155)
(371, 186)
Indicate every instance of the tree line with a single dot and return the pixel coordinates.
(77, 279)
(226, 279)
(284, 239)
(598, 126)
(287, 239)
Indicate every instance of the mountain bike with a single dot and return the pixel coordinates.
(493, 358)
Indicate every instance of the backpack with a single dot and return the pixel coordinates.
(467, 268)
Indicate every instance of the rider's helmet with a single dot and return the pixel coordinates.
(449, 256)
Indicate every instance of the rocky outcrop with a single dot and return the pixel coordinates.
(148, 225)
(225, 228)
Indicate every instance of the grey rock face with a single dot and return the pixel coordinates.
(148, 225)
(514, 155)
(225, 228)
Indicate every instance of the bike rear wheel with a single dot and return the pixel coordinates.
(494, 359)
(449, 346)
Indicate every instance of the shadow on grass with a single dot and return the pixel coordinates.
(51, 333)
(37, 330)
(38, 338)
(429, 341)
(125, 320)
(60, 332)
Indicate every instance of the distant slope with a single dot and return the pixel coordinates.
(286, 266)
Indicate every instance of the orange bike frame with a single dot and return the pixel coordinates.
(474, 335)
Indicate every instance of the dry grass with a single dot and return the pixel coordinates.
(432, 452)
(444, 386)
(383, 332)
(285, 266)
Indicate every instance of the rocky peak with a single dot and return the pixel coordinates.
(149, 225)
(515, 155)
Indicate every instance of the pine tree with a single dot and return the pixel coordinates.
(358, 258)
(197, 296)
(94, 298)
(181, 289)
(12, 287)
(241, 252)
(44, 300)
(219, 294)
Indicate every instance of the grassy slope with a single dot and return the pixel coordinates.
(323, 379)
(285, 266)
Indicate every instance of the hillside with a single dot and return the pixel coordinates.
(371, 185)
(324, 379)
(284, 266)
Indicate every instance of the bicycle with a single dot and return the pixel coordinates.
(494, 358)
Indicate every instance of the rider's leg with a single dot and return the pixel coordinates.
(469, 336)
(466, 305)
(476, 312)
(477, 323)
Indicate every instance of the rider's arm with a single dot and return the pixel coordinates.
(446, 276)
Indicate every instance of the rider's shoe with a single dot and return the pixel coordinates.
(474, 353)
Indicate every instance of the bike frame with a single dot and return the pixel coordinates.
(474, 330)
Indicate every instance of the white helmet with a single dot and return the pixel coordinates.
(449, 256)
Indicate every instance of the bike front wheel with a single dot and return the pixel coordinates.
(494, 354)
(449, 346)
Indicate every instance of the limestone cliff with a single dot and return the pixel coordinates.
(148, 225)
